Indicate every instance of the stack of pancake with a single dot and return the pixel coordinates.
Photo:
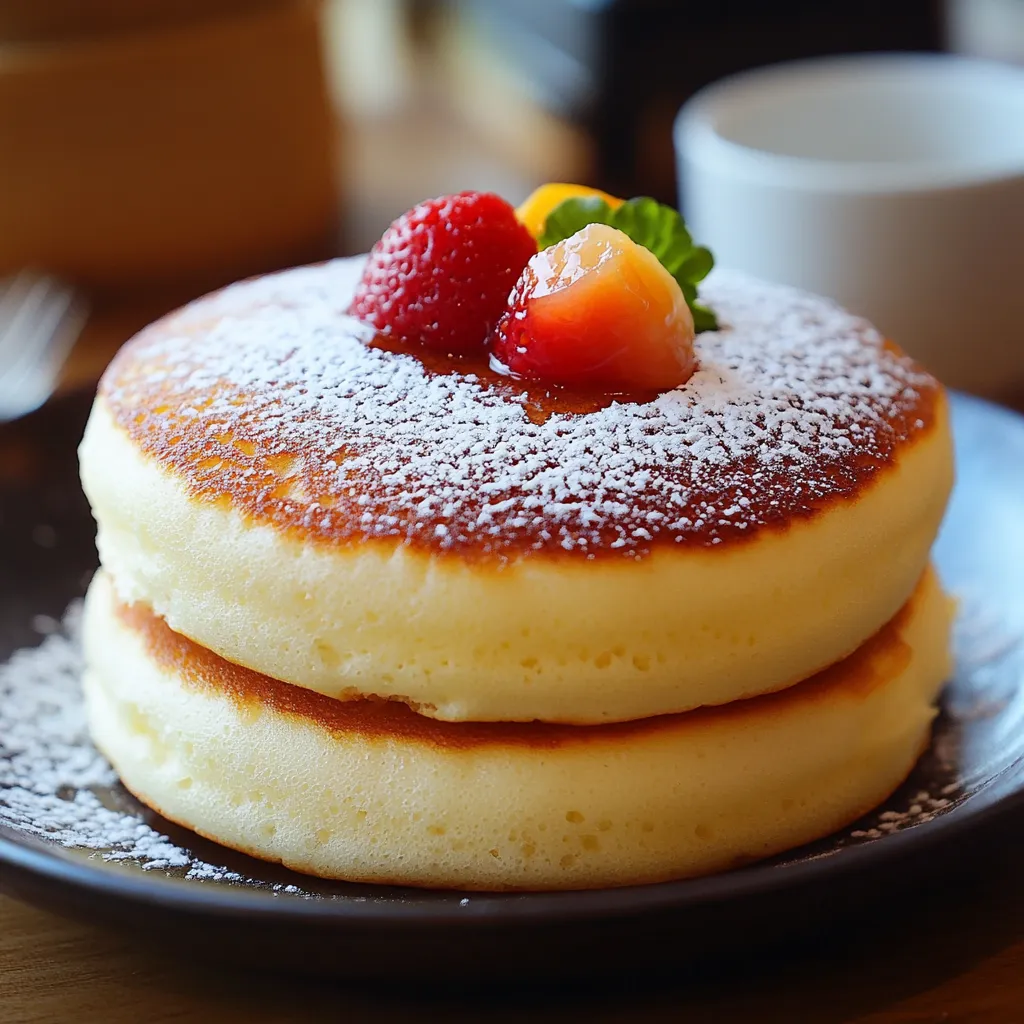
(395, 619)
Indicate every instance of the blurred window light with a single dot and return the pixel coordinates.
(369, 55)
(986, 28)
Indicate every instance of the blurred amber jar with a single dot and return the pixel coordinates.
(173, 142)
(49, 20)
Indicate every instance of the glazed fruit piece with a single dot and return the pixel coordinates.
(597, 310)
(534, 210)
(442, 272)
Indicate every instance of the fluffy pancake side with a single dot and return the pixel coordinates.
(541, 637)
(294, 777)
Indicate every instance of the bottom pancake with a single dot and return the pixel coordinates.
(371, 791)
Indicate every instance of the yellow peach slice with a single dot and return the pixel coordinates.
(533, 211)
(598, 310)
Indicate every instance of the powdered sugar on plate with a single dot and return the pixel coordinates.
(54, 785)
(795, 401)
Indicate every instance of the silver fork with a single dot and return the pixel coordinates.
(40, 319)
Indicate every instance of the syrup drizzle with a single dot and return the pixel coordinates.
(541, 400)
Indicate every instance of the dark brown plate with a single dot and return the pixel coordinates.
(965, 788)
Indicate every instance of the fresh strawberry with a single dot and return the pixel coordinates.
(597, 310)
(442, 272)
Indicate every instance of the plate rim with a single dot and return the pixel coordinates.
(195, 896)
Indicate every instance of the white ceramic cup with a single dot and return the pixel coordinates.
(893, 183)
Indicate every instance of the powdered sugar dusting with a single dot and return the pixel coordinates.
(795, 401)
(54, 784)
(922, 808)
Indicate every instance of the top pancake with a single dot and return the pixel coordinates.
(300, 498)
(268, 397)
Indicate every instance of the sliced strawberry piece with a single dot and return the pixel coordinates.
(442, 272)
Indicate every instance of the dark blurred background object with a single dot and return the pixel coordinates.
(225, 156)
(622, 68)
(510, 93)
(166, 151)
(150, 151)
(51, 20)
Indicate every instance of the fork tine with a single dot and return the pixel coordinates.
(15, 289)
(32, 310)
(21, 303)
(40, 318)
(46, 323)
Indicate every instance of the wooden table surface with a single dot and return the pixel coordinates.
(953, 953)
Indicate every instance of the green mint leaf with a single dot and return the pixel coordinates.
(697, 264)
(651, 224)
(704, 319)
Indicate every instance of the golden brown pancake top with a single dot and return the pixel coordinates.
(269, 399)
(872, 664)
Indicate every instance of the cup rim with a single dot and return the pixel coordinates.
(699, 140)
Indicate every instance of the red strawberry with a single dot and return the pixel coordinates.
(442, 272)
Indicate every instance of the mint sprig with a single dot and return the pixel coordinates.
(651, 224)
